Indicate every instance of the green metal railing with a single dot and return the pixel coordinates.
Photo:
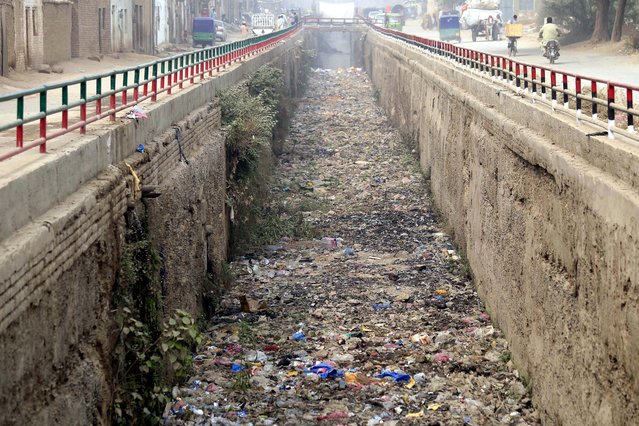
(127, 87)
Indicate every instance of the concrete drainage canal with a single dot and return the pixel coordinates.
(345, 299)
(349, 302)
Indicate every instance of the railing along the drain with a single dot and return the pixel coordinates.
(127, 87)
(604, 99)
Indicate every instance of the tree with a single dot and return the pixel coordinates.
(619, 20)
(601, 32)
(575, 15)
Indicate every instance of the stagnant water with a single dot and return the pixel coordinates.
(378, 322)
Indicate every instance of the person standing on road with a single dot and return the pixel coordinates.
(547, 33)
(512, 39)
(244, 30)
(281, 23)
(295, 19)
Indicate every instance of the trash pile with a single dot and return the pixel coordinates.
(376, 321)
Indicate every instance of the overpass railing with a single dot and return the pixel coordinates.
(337, 22)
(598, 101)
(125, 88)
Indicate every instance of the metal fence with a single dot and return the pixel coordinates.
(601, 102)
(106, 94)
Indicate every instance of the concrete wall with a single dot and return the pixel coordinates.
(58, 269)
(121, 25)
(56, 24)
(162, 23)
(548, 219)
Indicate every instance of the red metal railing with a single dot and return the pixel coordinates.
(148, 81)
(616, 105)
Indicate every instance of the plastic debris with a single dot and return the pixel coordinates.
(417, 415)
(420, 338)
(298, 336)
(441, 357)
(326, 371)
(399, 377)
(136, 113)
(378, 306)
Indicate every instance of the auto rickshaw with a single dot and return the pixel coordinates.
(449, 27)
(394, 21)
(203, 31)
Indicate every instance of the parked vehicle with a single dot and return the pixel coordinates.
(204, 32)
(394, 21)
(552, 51)
(483, 22)
(220, 31)
(449, 28)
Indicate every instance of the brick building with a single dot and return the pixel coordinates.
(7, 37)
(143, 33)
(36, 32)
(29, 34)
(90, 28)
(57, 16)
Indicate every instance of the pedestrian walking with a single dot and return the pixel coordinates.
(244, 30)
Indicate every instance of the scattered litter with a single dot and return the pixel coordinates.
(399, 377)
(298, 336)
(136, 113)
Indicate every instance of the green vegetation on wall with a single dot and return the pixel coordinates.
(149, 354)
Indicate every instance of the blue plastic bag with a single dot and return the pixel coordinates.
(326, 371)
(399, 377)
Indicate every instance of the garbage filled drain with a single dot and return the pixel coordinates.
(375, 321)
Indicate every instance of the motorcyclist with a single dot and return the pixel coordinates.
(548, 32)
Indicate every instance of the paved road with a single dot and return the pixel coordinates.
(585, 60)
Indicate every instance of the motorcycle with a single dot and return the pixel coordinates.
(552, 51)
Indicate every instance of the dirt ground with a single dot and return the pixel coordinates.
(374, 321)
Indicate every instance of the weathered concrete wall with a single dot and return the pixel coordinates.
(57, 272)
(548, 219)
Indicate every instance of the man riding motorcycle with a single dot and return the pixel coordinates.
(547, 33)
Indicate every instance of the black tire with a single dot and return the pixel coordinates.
(474, 34)
(552, 59)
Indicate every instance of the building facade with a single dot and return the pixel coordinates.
(90, 28)
(57, 17)
(37, 32)
(7, 37)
